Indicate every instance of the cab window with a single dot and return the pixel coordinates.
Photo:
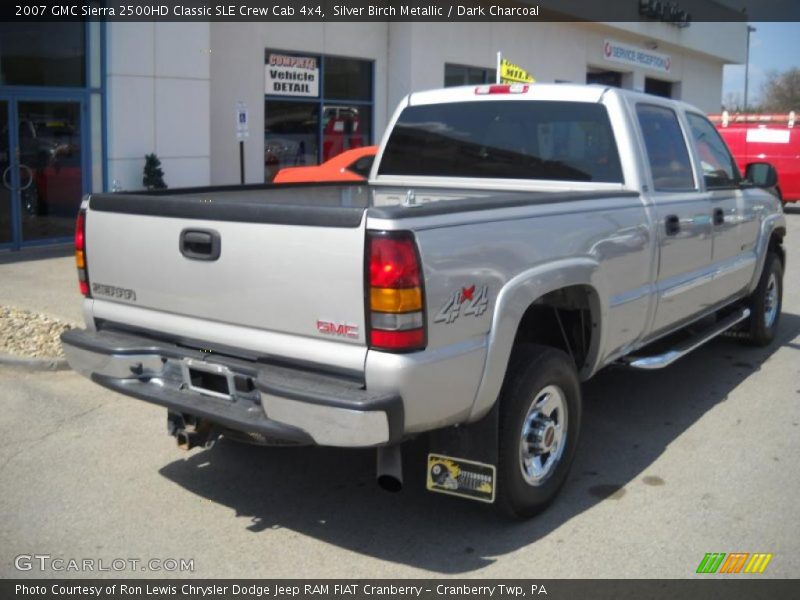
(719, 169)
(666, 148)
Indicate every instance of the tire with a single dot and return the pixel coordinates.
(765, 303)
(541, 392)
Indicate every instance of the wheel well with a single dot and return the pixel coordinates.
(776, 245)
(566, 319)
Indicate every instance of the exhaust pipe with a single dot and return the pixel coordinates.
(390, 468)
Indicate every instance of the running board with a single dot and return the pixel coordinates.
(659, 361)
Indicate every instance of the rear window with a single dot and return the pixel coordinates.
(569, 141)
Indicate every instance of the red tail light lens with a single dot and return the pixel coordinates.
(80, 253)
(393, 263)
(395, 303)
(398, 340)
(80, 231)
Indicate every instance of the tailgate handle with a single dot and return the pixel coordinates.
(200, 244)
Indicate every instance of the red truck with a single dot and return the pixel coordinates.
(771, 138)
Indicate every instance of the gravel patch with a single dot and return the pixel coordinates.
(31, 335)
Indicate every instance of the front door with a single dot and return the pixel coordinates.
(42, 161)
(736, 223)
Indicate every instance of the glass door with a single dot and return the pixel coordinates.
(50, 168)
(41, 170)
(6, 219)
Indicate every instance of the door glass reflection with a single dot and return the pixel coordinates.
(5, 174)
(49, 168)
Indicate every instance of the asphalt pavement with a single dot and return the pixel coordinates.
(703, 456)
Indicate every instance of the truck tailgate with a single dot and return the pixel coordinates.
(288, 258)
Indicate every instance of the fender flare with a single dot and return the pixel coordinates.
(770, 226)
(513, 301)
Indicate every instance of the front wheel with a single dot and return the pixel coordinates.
(765, 303)
(540, 417)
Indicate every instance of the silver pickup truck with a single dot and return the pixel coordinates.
(511, 242)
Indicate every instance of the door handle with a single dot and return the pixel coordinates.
(7, 183)
(672, 224)
(200, 244)
(719, 216)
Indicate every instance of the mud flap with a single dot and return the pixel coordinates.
(462, 461)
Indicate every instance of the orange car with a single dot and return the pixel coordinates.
(351, 165)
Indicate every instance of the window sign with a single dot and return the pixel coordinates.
(315, 107)
(290, 75)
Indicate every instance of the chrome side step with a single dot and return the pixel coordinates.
(659, 361)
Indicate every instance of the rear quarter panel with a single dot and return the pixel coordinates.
(509, 257)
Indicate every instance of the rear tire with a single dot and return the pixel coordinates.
(765, 303)
(540, 418)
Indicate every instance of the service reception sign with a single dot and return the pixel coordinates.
(288, 75)
(636, 57)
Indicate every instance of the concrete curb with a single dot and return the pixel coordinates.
(34, 364)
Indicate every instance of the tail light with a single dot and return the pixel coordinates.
(80, 253)
(396, 308)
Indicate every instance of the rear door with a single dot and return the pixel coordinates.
(683, 215)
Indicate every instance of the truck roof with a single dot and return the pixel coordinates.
(534, 91)
(564, 92)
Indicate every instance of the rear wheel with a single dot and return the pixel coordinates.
(540, 415)
(765, 303)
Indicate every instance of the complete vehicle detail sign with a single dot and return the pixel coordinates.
(288, 75)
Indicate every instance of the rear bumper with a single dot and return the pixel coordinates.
(287, 405)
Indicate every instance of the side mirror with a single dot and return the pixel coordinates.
(761, 174)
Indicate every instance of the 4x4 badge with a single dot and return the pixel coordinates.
(474, 300)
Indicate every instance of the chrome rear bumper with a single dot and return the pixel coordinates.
(282, 403)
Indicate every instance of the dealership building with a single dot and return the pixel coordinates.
(81, 104)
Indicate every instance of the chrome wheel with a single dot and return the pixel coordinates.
(543, 436)
(771, 301)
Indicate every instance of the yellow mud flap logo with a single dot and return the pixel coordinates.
(460, 477)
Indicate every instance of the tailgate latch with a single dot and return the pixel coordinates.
(200, 244)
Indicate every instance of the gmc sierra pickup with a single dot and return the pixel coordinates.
(511, 242)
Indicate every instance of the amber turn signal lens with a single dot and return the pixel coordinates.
(394, 300)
